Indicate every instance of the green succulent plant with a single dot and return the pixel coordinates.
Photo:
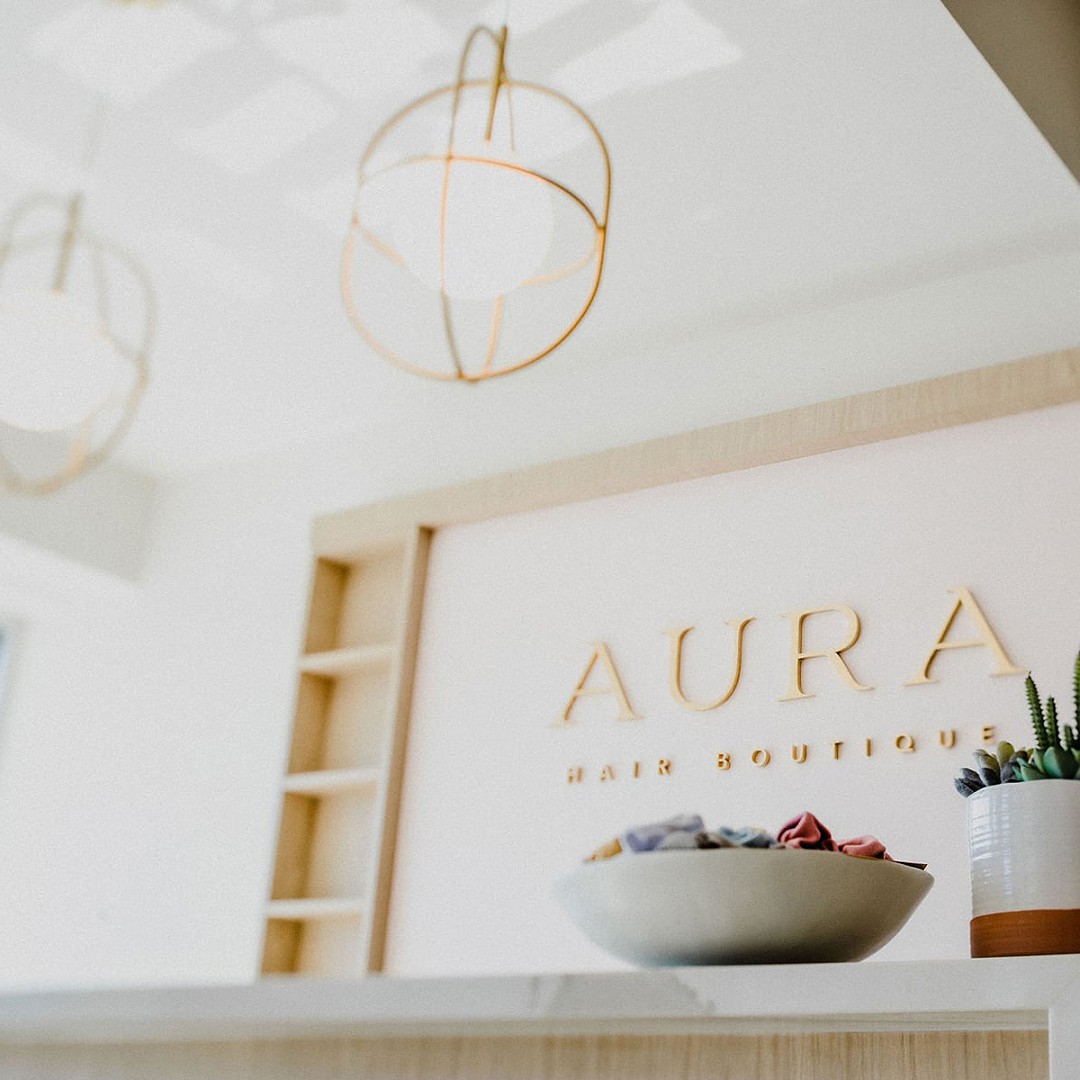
(1055, 756)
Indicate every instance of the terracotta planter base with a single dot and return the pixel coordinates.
(1026, 933)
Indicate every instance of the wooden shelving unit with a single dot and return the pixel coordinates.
(327, 909)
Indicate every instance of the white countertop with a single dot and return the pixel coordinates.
(1019, 993)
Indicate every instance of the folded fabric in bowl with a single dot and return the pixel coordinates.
(869, 847)
(680, 841)
(649, 837)
(747, 836)
(805, 831)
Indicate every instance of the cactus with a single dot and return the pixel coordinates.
(1056, 755)
(1076, 691)
(1053, 732)
(1072, 735)
(1038, 721)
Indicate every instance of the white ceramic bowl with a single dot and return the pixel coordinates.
(741, 905)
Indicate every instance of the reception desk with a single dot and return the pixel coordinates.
(1011, 1017)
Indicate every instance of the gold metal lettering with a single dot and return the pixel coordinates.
(798, 754)
(965, 600)
(836, 750)
(607, 773)
(663, 767)
(947, 738)
(637, 769)
(869, 747)
(798, 655)
(615, 686)
(723, 761)
(761, 757)
(905, 744)
(989, 733)
(675, 651)
(574, 775)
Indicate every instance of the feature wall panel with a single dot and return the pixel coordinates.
(514, 608)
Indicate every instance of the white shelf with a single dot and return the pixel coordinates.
(331, 781)
(344, 661)
(1022, 993)
(309, 910)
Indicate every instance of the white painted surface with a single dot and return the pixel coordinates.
(512, 605)
(103, 522)
(1023, 851)
(77, 862)
(773, 164)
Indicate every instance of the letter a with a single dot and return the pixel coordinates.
(615, 686)
(965, 600)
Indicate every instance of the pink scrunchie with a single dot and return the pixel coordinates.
(869, 847)
(807, 832)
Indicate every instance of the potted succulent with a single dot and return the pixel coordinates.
(1024, 838)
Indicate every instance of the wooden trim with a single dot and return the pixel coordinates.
(1034, 48)
(324, 605)
(416, 561)
(296, 827)
(981, 394)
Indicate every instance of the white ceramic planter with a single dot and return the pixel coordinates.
(1024, 841)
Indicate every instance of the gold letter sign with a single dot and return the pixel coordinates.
(798, 656)
(965, 600)
(675, 667)
(601, 653)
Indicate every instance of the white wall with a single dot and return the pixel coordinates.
(146, 733)
(75, 869)
(103, 520)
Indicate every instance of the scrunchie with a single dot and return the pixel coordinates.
(807, 832)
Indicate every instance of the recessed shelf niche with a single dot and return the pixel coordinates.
(330, 890)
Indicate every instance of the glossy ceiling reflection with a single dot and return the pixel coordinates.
(770, 160)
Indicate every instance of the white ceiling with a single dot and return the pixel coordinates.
(767, 158)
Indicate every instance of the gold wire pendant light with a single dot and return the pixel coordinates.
(76, 322)
(477, 238)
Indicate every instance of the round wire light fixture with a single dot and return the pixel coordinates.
(76, 322)
(477, 236)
